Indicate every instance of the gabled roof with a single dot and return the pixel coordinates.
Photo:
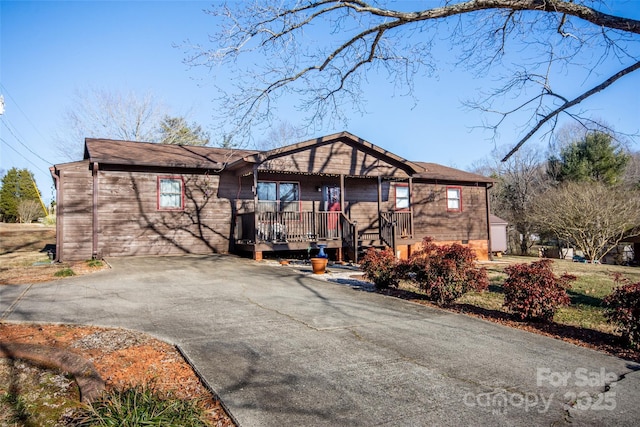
(434, 171)
(130, 153)
(344, 136)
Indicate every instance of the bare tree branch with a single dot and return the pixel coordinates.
(325, 68)
(571, 103)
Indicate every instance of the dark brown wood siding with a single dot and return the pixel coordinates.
(337, 158)
(74, 220)
(361, 200)
(431, 217)
(130, 223)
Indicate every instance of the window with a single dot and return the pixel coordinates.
(289, 197)
(278, 196)
(267, 196)
(454, 199)
(170, 193)
(402, 196)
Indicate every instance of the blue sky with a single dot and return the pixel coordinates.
(50, 49)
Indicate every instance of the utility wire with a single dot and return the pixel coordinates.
(5, 121)
(22, 111)
(24, 157)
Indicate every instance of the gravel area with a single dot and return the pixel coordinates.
(342, 274)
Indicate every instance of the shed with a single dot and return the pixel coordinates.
(498, 234)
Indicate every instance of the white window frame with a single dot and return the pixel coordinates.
(403, 201)
(169, 194)
(454, 199)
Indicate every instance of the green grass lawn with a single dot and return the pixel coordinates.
(595, 281)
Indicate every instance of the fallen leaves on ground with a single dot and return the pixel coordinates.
(124, 358)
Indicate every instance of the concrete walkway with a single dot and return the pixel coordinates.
(282, 349)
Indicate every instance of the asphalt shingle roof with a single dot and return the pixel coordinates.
(107, 151)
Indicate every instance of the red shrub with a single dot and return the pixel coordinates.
(623, 309)
(445, 272)
(533, 292)
(380, 268)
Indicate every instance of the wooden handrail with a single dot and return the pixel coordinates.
(289, 226)
(350, 235)
(388, 230)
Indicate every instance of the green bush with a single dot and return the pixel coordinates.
(65, 272)
(94, 263)
(139, 406)
(533, 292)
(444, 272)
(622, 308)
(380, 268)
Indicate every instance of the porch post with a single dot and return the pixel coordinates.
(256, 255)
(342, 193)
(411, 204)
(379, 205)
(379, 194)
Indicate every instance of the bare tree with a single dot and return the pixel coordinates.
(281, 134)
(632, 173)
(593, 216)
(29, 210)
(101, 113)
(323, 51)
(520, 181)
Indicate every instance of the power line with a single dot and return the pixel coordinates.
(5, 121)
(21, 155)
(21, 110)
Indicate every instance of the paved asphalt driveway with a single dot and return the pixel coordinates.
(283, 349)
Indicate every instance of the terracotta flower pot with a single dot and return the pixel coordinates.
(319, 265)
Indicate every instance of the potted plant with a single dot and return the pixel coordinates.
(319, 262)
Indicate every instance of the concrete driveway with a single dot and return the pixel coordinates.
(284, 349)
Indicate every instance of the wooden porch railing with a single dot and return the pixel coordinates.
(288, 226)
(404, 224)
(394, 225)
(280, 227)
(350, 237)
(388, 230)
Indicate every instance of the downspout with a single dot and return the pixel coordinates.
(94, 251)
(488, 201)
(59, 212)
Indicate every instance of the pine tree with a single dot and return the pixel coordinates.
(593, 159)
(17, 185)
(176, 131)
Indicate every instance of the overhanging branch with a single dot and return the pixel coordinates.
(570, 104)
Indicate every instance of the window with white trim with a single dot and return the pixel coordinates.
(170, 193)
(454, 199)
(402, 196)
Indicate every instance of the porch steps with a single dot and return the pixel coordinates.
(364, 245)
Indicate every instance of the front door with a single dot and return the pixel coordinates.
(333, 208)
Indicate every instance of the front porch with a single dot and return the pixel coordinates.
(258, 232)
